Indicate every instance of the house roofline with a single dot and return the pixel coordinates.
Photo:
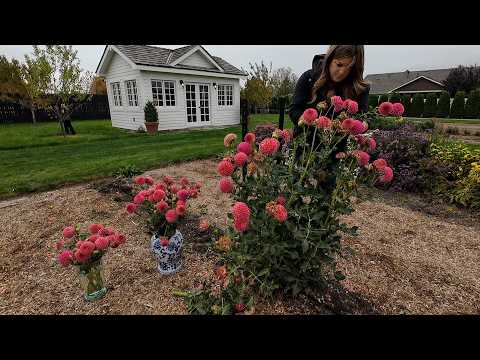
(421, 76)
(120, 53)
(160, 68)
(191, 51)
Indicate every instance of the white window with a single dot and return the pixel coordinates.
(225, 95)
(221, 95)
(229, 90)
(157, 92)
(163, 92)
(132, 95)
(117, 94)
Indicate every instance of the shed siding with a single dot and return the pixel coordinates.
(126, 117)
(198, 59)
(176, 118)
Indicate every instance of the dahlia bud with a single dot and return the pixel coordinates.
(321, 105)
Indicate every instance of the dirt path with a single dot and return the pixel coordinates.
(407, 261)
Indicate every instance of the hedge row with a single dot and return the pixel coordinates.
(434, 106)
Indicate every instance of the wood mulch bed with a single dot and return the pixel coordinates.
(412, 256)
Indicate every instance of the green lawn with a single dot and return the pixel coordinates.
(36, 157)
(258, 119)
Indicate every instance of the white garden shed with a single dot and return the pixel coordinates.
(188, 86)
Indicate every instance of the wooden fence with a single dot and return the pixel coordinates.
(96, 108)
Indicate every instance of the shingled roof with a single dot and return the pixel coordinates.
(157, 56)
(383, 83)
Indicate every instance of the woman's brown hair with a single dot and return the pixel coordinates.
(355, 84)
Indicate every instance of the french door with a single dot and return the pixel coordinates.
(197, 101)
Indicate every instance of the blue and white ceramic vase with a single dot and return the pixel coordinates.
(169, 258)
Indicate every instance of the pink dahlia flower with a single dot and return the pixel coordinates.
(140, 180)
(174, 189)
(385, 108)
(324, 122)
(65, 258)
(281, 213)
(352, 106)
(225, 168)
(171, 216)
(184, 182)
(379, 164)
(95, 228)
(353, 126)
(81, 257)
(102, 243)
(372, 144)
(310, 115)
(241, 212)
(286, 135)
(180, 209)
(340, 155)
(244, 147)
(87, 248)
(226, 185)
(121, 238)
(249, 138)
(240, 226)
(69, 232)
(149, 180)
(139, 198)
(182, 194)
(387, 174)
(93, 238)
(161, 206)
(361, 156)
(397, 109)
(240, 159)
(338, 103)
(131, 208)
(160, 186)
(158, 195)
(269, 146)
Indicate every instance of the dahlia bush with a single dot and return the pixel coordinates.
(284, 226)
(82, 249)
(164, 202)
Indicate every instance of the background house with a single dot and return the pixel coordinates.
(408, 82)
(188, 86)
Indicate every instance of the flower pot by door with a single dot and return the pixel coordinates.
(152, 127)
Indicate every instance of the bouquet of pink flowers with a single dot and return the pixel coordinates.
(165, 203)
(85, 250)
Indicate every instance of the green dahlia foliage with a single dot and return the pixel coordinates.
(284, 228)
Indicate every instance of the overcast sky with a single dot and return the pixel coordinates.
(378, 58)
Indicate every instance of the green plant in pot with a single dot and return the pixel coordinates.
(151, 118)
